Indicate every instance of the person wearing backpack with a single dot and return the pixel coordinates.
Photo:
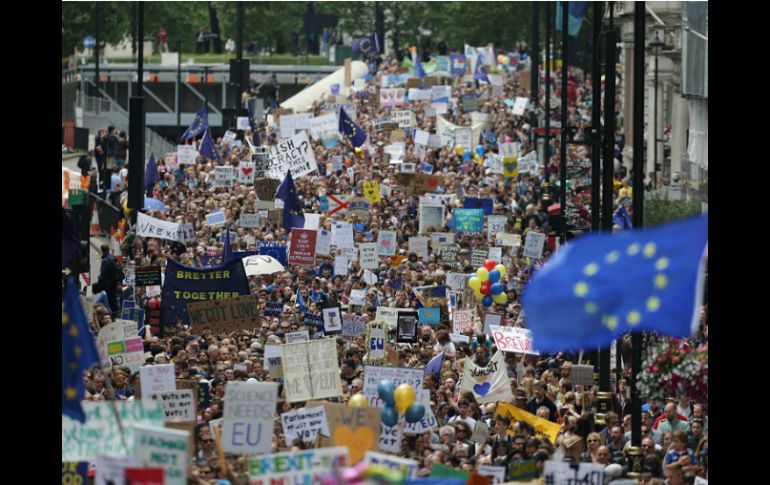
(111, 278)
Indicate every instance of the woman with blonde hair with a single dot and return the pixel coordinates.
(594, 441)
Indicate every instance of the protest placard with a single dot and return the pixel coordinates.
(216, 219)
(100, 433)
(480, 432)
(74, 473)
(110, 469)
(455, 281)
(323, 242)
(292, 123)
(463, 321)
(300, 336)
(273, 309)
(147, 275)
(479, 255)
(245, 173)
(342, 234)
(406, 467)
(368, 258)
(543, 427)
(584, 473)
(305, 466)
(304, 424)
(186, 154)
(464, 138)
(341, 262)
(356, 428)
(177, 405)
(495, 225)
(375, 342)
(524, 470)
(274, 249)
(224, 316)
(372, 191)
(449, 256)
(423, 183)
(353, 326)
(508, 239)
(416, 94)
(321, 125)
(519, 106)
(248, 220)
(223, 177)
(441, 94)
(419, 246)
(514, 339)
(295, 154)
(332, 320)
(392, 97)
(248, 417)
(582, 375)
(491, 319)
(431, 217)
(157, 378)
(374, 374)
(166, 448)
(303, 247)
(429, 316)
(386, 243)
(389, 315)
(147, 226)
(404, 118)
(360, 207)
(533, 244)
(495, 253)
(406, 326)
(489, 383)
(311, 370)
(468, 220)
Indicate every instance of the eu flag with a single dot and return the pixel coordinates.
(78, 352)
(418, 69)
(207, 148)
(434, 366)
(365, 45)
(349, 127)
(292, 215)
(301, 302)
(198, 126)
(622, 218)
(150, 175)
(602, 285)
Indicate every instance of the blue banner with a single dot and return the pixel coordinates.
(488, 205)
(458, 64)
(274, 249)
(468, 220)
(430, 316)
(185, 284)
(273, 309)
(74, 472)
(312, 320)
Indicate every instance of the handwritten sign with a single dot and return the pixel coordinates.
(468, 220)
(295, 154)
(406, 467)
(311, 370)
(353, 326)
(186, 154)
(304, 424)
(560, 472)
(223, 177)
(305, 466)
(374, 374)
(248, 417)
(342, 234)
(227, 315)
(166, 448)
(514, 339)
(463, 321)
(386, 243)
(356, 428)
(177, 405)
(147, 226)
(157, 378)
(372, 191)
(392, 97)
(533, 244)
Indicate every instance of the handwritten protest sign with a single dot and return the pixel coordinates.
(311, 370)
(372, 191)
(241, 312)
(392, 97)
(508, 240)
(391, 438)
(374, 374)
(356, 428)
(100, 433)
(514, 339)
(147, 226)
(248, 417)
(584, 473)
(342, 234)
(186, 154)
(495, 225)
(582, 375)
(375, 342)
(245, 173)
(157, 378)
(428, 421)
(489, 383)
(177, 405)
(520, 105)
(166, 448)
(353, 326)
(295, 154)
(463, 321)
(468, 220)
(321, 125)
(533, 244)
(304, 424)
(301, 336)
(386, 243)
(404, 118)
(431, 217)
(223, 177)
(479, 254)
(305, 466)
(368, 255)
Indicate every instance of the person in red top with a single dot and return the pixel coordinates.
(162, 37)
(662, 417)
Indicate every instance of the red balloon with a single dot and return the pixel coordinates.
(487, 284)
(490, 264)
(486, 289)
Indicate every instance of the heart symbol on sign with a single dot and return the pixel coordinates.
(432, 182)
(247, 171)
(358, 442)
(482, 389)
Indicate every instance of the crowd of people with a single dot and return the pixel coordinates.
(674, 430)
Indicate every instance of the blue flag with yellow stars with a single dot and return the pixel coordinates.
(198, 126)
(349, 127)
(78, 353)
(207, 148)
(481, 71)
(603, 285)
(366, 45)
(292, 214)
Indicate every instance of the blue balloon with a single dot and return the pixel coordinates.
(466, 156)
(415, 412)
(487, 300)
(480, 150)
(494, 276)
(389, 416)
(385, 390)
(497, 288)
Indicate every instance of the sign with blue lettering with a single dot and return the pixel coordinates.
(487, 205)
(185, 284)
(468, 220)
(273, 309)
(274, 249)
(247, 426)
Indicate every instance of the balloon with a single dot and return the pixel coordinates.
(389, 416)
(497, 288)
(494, 276)
(385, 390)
(507, 139)
(474, 283)
(486, 290)
(415, 412)
(486, 284)
(358, 401)
(489, 264)
(500, 58)
(480, 150)
(501, 269)
(478, 294)
(506, 60)
(482, 274)
(500, 299)
(459, 149)
(487, 301)
(404, 397)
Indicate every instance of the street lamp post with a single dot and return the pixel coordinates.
(655, 45)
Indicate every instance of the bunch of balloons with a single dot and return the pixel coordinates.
(399, 400)
(486, 284)
(479, 154)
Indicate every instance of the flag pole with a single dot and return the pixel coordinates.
(111, 390)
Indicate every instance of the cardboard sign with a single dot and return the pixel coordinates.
(404, 118)
(374, 374)
(166, 448)
(495, 225)
(224, 316)
(304, 424)
(464, 321)
(186, 154)
(248, 220)
(157, 378)
(356, 428)
(496, 472)
(419, 246)
(292, 467)
(321, 125)
(431, 218)
(449, 257)
(245, 173)
(424, 183)
(248, 417)
(368, 258)
(514, 339)
(100, 433)
(479, 255)
(303, 247)
(295, 154)
(534, 243)
(342, 234)
(489, 383)
(177, 405)
(508, 240)
(582, 375)
(311, 370)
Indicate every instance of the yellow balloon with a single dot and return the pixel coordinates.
(478, 295)
(500, 299)
(474, 283)
(482, 274)
(404, 396)
(459, 150)
(501, 269)
(358, 401)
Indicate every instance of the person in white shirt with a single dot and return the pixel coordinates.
(444, 344)
(463, 416)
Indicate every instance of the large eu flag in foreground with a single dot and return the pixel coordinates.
(603, 285)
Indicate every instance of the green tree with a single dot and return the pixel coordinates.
(78, 21)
